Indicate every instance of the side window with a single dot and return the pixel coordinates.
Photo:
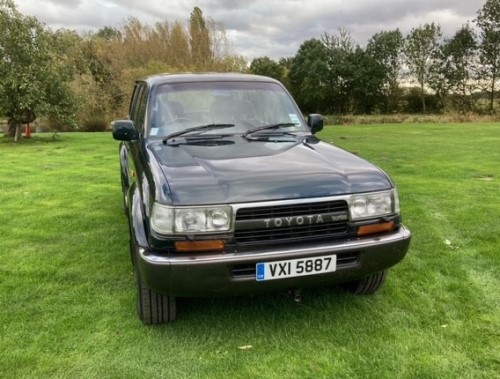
(132, 112)
(141, 107)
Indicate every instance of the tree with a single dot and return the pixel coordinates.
(386, 48)
(335, 75)
(488, 21)
(422, 52)
(34, 73)
(199, 39)
(339, 49)
(458, 64)
(286, 67)
(367, 81)
(219, 43)
(267, 67)
(223, 59)
(108, 33)
(135, 46)
(158, 40)
(105, 58)
(309, 75)
(179, 46)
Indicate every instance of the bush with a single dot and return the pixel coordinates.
(94, 125)
(55, 125)
(405, 118)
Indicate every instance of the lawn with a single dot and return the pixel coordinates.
(67, 291)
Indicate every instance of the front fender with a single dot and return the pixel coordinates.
(124, 165)
(137, 228)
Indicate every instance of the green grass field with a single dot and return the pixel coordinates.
(67, 290)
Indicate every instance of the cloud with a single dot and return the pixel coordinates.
(275, 28)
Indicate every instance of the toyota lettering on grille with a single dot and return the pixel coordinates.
(279, 222)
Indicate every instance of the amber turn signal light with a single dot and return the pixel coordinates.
(365, 230)
(197, 246)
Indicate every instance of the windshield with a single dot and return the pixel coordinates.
(246, 105)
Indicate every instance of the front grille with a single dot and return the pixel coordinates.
(292, 222)
(291, 210)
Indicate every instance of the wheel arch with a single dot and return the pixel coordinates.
(138, 231)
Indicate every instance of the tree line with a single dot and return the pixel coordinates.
(417, 73)
(83, 81)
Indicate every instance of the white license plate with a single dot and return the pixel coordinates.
(296, 267)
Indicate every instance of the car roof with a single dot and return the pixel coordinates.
(157, 79)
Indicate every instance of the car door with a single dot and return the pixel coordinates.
(130, 152)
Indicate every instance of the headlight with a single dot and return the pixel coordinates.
(171, 220)
(373, 205)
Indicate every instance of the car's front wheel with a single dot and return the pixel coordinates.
(367, 285)
(154, 307)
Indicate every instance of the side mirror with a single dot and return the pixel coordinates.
(124, 130)
(315, 122)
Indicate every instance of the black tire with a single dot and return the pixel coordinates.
(153, 307)
(367, 286)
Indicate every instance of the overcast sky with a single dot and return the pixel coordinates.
(273, 28)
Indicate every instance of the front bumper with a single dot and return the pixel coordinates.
(234, 274)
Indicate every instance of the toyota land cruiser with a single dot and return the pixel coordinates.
(228, 191)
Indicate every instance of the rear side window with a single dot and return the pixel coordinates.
(132, 112)
(138, 106)
(142, 103)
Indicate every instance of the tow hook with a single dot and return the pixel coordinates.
(296, 295)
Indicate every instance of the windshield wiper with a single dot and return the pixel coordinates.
(201, 129)
(270, 127)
